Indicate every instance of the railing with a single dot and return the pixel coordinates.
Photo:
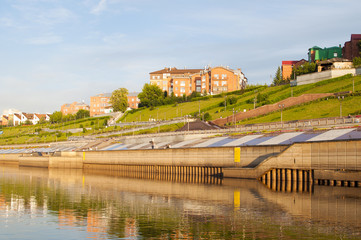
(297, 124)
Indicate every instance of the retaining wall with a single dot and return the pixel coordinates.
(333, 155)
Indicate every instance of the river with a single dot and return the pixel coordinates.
(39, 203)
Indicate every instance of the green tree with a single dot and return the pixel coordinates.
(42, 120)
(151, 95)
(56, 117)
(119, 100)
(28, 122)
(277, 80)
(82, 113)
(356, 62)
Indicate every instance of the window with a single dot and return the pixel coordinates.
(216, 83)
(198, 89)
(176, 88)
(190, 91)
(153, 77)
(204, 85)
(224, 76)
(158, 83)
(176, 82)
(183, 90)
(203, 78)
(164, 82)
(224, 83)
(216, 76)
(335, 54)
(158, 77)
(183, 83)
(198, 82)
(132, 99)
(215, 89)
(164, 89)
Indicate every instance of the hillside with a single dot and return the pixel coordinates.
(325, 107)
(245, 101)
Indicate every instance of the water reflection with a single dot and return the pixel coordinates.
(88, 204)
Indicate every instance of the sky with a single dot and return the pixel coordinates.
(60, 51)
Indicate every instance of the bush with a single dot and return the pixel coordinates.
(356, 62)
(207, 117)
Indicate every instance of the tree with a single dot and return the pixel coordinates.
(119, 100)
(277, 80)
(82, 113)
(42, 120)
(56, 117)
(151, 95)
(356, 62)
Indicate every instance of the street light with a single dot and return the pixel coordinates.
(281, 106)
(341, 98)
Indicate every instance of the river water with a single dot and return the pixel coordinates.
(74, 204)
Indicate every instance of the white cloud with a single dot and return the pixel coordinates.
(44, 40)
(7, 22)
(100, 7)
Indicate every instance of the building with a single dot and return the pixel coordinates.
(73, 108)
(318, 54)
(100, 104)
(287, 67)
(351, 48)
(133, 100)
(208, 80)
(4, 120)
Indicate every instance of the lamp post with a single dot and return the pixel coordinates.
(340, 99)
(234, 120)
(281, 106)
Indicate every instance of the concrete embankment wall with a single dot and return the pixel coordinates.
(333, 160)
(9, 159)
(336, 155)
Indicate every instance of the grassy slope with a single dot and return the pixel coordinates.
(317, 109)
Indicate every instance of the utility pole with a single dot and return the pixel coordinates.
(340, 99)
(281, 106)
(199, 109)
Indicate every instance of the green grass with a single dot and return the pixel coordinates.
(316, 109)
(210, 104)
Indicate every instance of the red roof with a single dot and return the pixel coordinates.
(355, 37)
(289, 62)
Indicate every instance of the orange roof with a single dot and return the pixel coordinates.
(176, 71)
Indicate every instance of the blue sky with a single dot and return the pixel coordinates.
(59, 51)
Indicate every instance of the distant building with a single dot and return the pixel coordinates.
(287, 67)
(4, 120)
(351, 48)
(73, 108)
(100, 104)
(318, 54)
(133, 100)
(208, 80)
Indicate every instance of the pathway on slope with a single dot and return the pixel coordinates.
(291, 101)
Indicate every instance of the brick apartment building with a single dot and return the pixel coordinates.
(73, 108)
(133, 100)
(208, 80)
(287, 67)
(100, 104)
(351, 48)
